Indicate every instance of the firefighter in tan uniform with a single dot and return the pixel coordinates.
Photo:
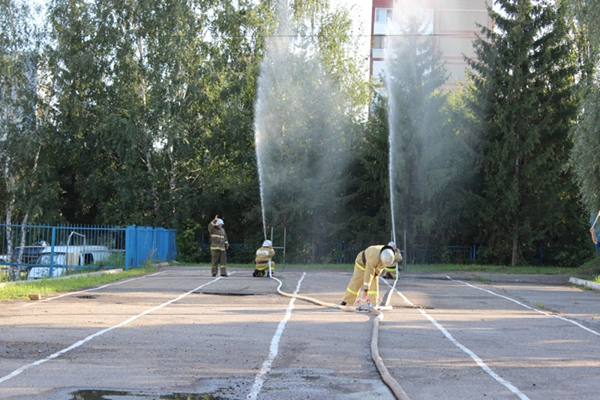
(368, 266)
(218, 246)
(263, 255)
(390, 272)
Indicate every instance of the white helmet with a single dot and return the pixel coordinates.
(219, 222)
(267, 243)
(392, 245)
(387, 257)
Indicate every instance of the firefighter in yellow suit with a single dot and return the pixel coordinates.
(218, 246)
(369, 264)
(263, 254)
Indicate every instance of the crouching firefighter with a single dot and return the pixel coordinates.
(263, 255)
(390, 272)
(369, 264)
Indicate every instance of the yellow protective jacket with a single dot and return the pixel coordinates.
(262, 256)
(218, 237)
(370, 261)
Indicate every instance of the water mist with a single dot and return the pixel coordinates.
(300, 134)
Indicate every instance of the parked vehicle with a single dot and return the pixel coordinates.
(65, 258)
(30, 253)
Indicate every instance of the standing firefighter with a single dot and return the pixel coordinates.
(263, 255)
(368, 266)
(390, 272)
(218, 245)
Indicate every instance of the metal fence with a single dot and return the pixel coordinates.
(346, 254)
(38, 251)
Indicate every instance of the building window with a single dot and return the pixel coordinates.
(379, 42)
(383, 15)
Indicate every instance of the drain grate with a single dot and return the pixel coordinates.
(86, 296)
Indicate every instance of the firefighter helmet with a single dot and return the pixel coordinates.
(387, 256)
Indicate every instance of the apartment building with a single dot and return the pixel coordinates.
(452, 24)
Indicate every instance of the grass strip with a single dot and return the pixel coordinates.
(45, 287)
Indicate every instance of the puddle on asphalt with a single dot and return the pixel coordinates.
(117, 394)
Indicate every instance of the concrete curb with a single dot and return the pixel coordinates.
(583, 282)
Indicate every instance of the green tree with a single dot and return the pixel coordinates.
(522, 92)
(585, 157)
(20, 136)
(419, 169)
(303, 124)
(368, 181)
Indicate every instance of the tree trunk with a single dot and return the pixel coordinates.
(515, 245)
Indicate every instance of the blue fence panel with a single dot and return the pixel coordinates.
(150, 244)
(130, 247)
(145, 241)
(161, 240)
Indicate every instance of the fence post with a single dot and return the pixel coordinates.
(53, 240)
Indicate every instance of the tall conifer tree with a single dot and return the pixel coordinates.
(523, 79)
(414, 78)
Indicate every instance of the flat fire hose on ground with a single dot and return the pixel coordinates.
(383, 371)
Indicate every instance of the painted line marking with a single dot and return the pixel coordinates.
(266, 367)
(474, 356)
(99, 333)
(530, 308)
(92, 289)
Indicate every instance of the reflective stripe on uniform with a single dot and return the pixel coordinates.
(218, 248)
(359, 266)
(351, 291)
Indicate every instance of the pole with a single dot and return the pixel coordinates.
(404, 268)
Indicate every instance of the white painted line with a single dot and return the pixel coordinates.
(530, 308)
(266, 367)
(92, 289)
(99, 333)
(474, 356)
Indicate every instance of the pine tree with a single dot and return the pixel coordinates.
(418, 170)
(585, 157)
(523, 80)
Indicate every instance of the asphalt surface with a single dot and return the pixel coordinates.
(180, 333)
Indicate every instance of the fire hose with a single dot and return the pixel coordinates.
(395, 387)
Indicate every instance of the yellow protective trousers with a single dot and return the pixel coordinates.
(356, 283)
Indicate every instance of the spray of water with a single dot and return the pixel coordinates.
(413, 74)
(300, 134)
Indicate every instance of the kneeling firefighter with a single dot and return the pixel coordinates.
(368, 266)
(390, 272)
(263, 254)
